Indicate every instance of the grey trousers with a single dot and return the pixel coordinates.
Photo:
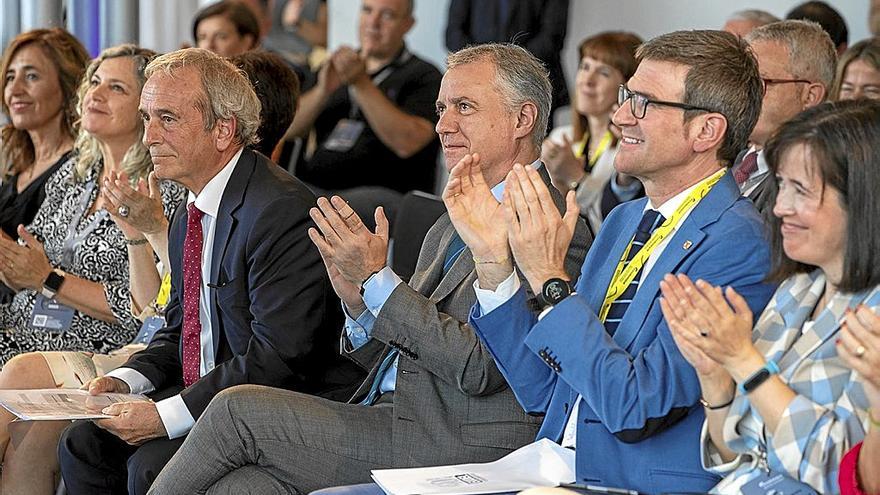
(254, 439)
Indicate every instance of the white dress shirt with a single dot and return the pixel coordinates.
(173, 411)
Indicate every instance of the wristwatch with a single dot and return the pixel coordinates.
(53, 283)
(553, 292)
(759, 377)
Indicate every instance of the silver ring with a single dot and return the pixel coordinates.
(860, 351)
(123, 211)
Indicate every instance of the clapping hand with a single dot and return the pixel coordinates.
(714, 325)
(23, 267)
(539, 235)
(135, 210)
(345, 242)
(859, 346)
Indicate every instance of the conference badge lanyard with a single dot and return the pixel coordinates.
(347, 131)
(153, 324)
(49, 314)
(604, 144)
(625, 273)
(770, 482)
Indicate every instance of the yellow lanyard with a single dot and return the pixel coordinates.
(164, 291)
(625, 273)
(602, 148)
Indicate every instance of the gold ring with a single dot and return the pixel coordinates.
(860, 351)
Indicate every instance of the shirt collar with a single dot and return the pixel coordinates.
(208, 200)
(498, 190)
(668, 208)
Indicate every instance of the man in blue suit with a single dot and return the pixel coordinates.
(600, 362)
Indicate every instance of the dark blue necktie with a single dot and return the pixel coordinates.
(651, 219)
(456, 246)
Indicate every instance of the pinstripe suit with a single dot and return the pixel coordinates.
(827, 416)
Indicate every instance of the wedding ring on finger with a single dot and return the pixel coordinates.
(704, 333)
(123, 211)
(860, 351)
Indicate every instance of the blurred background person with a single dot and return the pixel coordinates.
(779, 399)
(580, 156)
(42, 70)
(742, 22)
(299, 34)
(827, 17)
(227, 28)
(81, 256)
(858, 72)
(859, 346)
(538, 26)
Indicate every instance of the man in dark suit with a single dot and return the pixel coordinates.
(538, 26)
(249, 293)
(796, 60)
(434, 394)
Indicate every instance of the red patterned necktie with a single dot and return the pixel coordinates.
(746, 168)
(192, 286)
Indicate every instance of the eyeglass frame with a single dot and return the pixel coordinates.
(767, 81)
(623, 91)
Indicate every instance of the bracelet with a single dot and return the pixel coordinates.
(491, 262)
(135, 242)
(874, 422)
(719, 406)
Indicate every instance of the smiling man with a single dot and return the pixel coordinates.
(433, 394)
(599, 362)
(249, 294)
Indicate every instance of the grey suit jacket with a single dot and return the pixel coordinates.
(451, 404)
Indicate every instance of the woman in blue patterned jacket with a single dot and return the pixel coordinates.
(782, 407)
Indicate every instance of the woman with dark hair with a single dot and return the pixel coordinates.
(71, 273)
(42, 69)
(227, 28)
(858, 72)
(581, 156)
(782, 406)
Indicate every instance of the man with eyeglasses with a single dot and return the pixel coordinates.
(797, 61)
(598, 360)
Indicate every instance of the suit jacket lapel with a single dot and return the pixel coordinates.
(685, 240)
(232, 199)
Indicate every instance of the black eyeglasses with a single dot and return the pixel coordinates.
(638, 103)
(767, 81)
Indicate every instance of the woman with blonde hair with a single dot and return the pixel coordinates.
(858, 72)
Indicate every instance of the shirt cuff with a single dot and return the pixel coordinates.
(175, 416)
(710, 457)
(625, 193)
(378, 288)
(489, 300)
(137, 383)
(358, 330)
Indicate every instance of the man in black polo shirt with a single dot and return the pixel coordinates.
(373, 110)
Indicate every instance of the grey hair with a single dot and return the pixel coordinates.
(757, 16)
(227, 92)
(519, 77)
(811, 53)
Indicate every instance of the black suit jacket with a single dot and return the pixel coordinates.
(538, 26)
(273, 316)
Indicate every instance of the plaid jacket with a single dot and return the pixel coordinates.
(827, 416)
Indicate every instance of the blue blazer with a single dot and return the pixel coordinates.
(639, 419)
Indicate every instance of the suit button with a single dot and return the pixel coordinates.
(543, 353)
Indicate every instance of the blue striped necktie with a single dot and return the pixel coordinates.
(651, 219)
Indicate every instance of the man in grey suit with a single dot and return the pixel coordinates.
(796, 60)
(433, 395)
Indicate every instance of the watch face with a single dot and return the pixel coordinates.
(760, 377)
(554, 291)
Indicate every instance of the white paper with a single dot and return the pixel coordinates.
(57, 404)
(542, 463)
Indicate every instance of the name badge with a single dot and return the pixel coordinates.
(344, 135)
(776, 484)
(51, 315)
(151, 325)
